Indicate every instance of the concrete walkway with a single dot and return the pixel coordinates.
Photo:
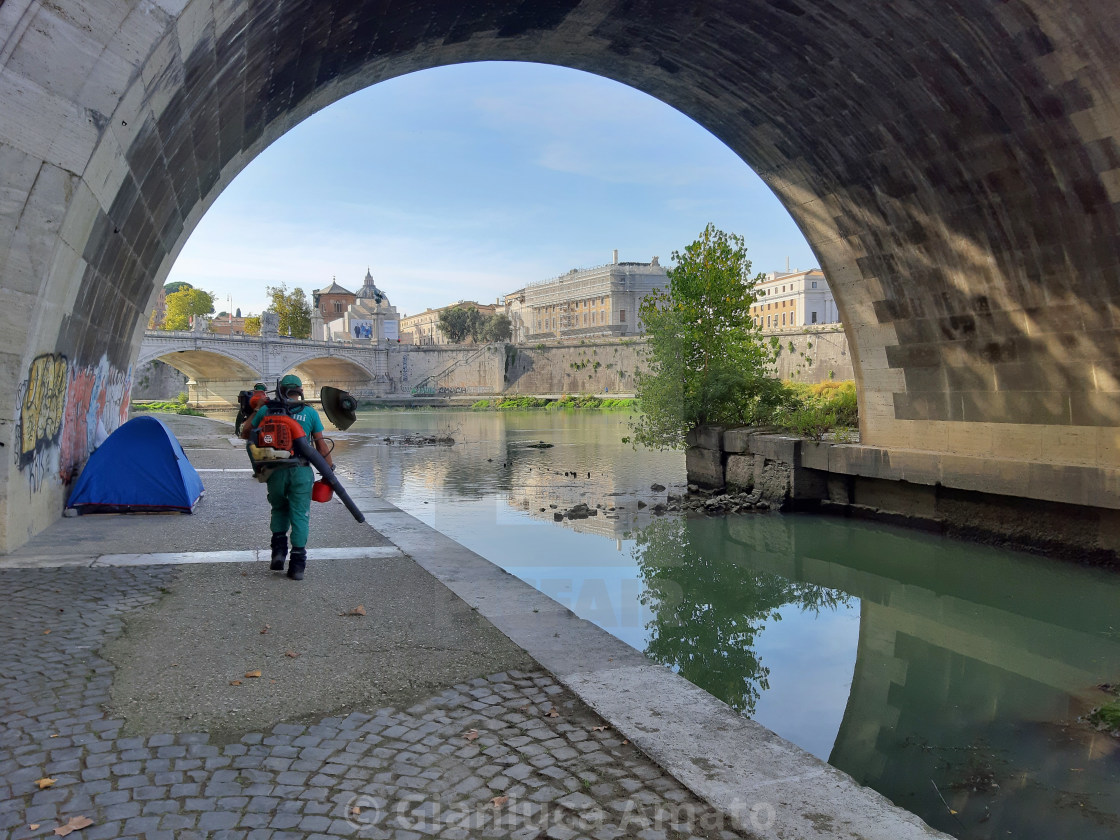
(171, 686)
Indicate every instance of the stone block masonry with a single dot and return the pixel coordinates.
(1001, 501)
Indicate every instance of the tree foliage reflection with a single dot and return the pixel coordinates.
(709, 606)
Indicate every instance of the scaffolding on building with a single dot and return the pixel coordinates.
(593, 282)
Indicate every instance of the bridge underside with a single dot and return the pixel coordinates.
(954, 165)
(330, 370)
(212, 379)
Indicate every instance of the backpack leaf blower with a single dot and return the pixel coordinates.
(281, 433)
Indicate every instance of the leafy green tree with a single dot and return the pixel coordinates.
(706, 361)
(177, 286)
(293, 308)
(253, 325)
(460, 323)
(184, 304)
(498, 327)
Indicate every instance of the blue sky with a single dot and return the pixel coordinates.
(467, 182)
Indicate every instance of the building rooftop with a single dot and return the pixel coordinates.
(333, 289)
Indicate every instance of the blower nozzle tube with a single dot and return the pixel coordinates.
(302, 447)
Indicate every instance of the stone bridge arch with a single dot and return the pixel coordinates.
(954, 166)
(213, 378)
(318, 370)
(242, 357)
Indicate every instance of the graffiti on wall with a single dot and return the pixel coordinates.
(65, 411)
(41, 398)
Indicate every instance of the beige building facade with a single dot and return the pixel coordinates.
(593, 302)
(794, 300)
(423, 328)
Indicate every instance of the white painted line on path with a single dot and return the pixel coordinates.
(174, 558)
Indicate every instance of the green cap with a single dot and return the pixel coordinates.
(259, 387)
(291, 381)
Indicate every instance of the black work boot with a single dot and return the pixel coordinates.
(298, 563)
(279, 552)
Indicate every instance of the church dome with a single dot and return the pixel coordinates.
(370, 292)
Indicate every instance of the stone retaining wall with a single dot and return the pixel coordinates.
(1070, 511)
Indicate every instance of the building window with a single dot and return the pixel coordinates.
(767, 322)
(814, 317)
(622, 316)
(783, 319)
(814, 284)
(585, 319)
(338, 306)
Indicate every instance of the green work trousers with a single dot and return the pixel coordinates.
(289, 493)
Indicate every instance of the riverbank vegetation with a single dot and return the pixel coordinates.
(567, 401)
(176, 406)
(1107, 717)
(813, 411)
(708, 362)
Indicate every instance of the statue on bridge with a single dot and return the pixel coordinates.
(270, 323)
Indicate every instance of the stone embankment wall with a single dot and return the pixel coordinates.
(971, 497)
(601, 367)
(157, 381)
(447, 370)
(816, 354)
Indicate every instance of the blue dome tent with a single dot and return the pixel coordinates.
(140, 467)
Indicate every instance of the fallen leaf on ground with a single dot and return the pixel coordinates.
(253, 674)
(45, 783)
(470, 736)
(75, 824)
(265, 629)
(235, 682)
(358, 610)
(55, 735)
(46, 632)
(626, 742)
(33, 826)
(499, 801)
(291, 654)
(599, 728)
(552, 712)
(273, 682)
(356, 810)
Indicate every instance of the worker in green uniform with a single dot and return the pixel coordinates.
(289, 488)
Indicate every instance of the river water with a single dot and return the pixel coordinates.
(948, 676)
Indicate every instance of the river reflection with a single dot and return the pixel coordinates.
(709, 606)
(948, 676)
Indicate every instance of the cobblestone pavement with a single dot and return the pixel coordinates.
(509, 755)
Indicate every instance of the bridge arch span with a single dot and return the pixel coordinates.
(955, 167)
(213, 379)
(316, 371)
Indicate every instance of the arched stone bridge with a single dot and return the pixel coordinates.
(218, 366)
(954, 165)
